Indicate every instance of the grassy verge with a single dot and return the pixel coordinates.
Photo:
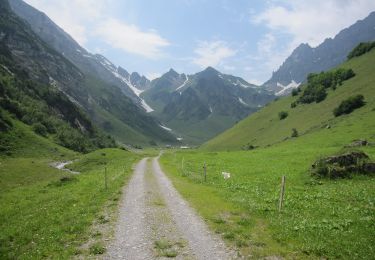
(46, 216)
(321, 218)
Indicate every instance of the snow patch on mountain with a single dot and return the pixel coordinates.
(112, 68)
(166, 128)
(242, 102)
(146, 106)
(183, 84)
(284, 89)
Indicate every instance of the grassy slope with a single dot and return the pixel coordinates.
(122, 132)
(321, 218)
(198, 132)
(25, 143)
(40, 215)
(264, 127)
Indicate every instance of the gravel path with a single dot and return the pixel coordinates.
(131, 234)
(155, 222)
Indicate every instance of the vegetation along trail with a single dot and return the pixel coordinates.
(155, 222)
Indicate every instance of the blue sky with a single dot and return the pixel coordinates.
(247, 38)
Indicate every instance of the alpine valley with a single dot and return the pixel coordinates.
(98, 161)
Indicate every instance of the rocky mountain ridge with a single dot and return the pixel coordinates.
(332, 52)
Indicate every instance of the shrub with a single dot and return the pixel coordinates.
(349, 105)
(361, 49)
(283, 115)
(294, 132)
(73, 139)
(40, 129)
(295, 92)
(313, 93)
(293, 104)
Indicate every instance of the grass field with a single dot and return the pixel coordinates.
(45, 216)
(321, 218)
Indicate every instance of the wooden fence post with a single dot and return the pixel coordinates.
(182, 163)
(282, 192)
(105, 178)
(205, 171)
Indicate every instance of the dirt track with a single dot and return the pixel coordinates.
(155, 222)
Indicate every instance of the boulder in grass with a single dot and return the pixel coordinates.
(343, 166)
(358, 143)
(347, 159)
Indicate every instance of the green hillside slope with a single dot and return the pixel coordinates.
(265, 128)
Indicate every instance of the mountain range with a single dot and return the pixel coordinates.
(199, 106)
(332, 52)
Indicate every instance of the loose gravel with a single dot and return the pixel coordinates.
(155, 222)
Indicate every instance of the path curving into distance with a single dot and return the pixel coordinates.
(155, 222)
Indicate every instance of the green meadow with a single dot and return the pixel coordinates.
(47, 213)
(320, 218)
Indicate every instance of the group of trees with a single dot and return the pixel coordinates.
(361, 49)
(318, 83)
(49, 112)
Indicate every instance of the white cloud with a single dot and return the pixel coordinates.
(83, 19)
(212, 53)
(130, 38)
(313, 21)
(229, 67)
(254, 81)
(74, 15)
(269, 52)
